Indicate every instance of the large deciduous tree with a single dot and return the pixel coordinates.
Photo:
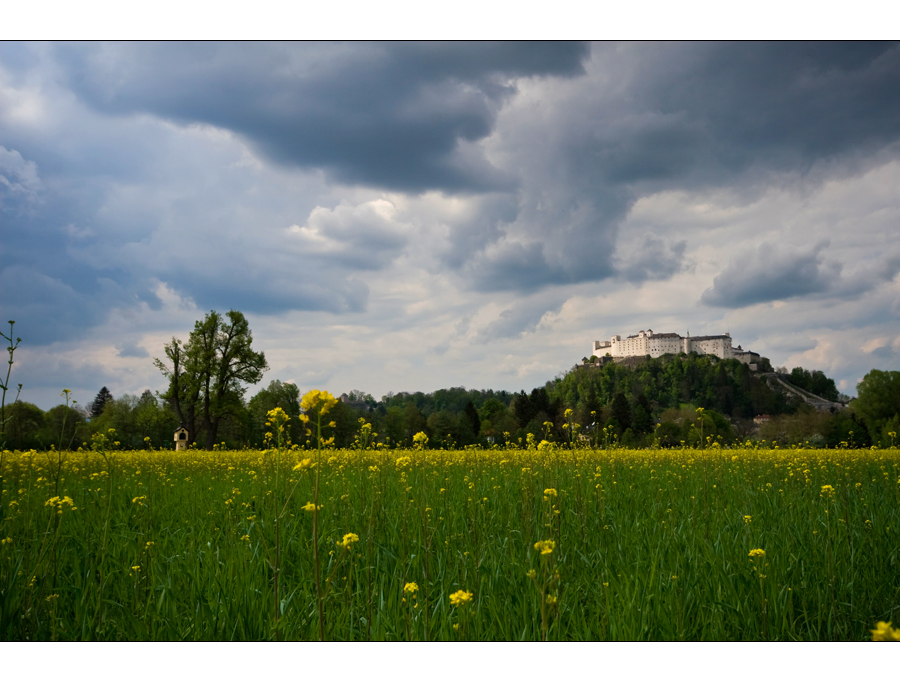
(207, 374)
(879, 403)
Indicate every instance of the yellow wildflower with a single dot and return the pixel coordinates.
(757, 552)
(304, 465)
(550, 492)
(545, 546)
(318, 401)
(310, 507)
(410, 588)
(883, 632)
(348, 540)
(748, 519)
(460, 598)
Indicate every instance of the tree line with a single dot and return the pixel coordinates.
(656, 401)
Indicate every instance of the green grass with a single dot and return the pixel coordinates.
(649, 545)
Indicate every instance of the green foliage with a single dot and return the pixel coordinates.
(139, 422)
(878, 403)
(285, 395)
(726, 386)
(815, 382)
(207, 375)
(103, 397)
(24, 427)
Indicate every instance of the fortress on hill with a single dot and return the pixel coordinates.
(650, 343)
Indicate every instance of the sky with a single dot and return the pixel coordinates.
(408, 217)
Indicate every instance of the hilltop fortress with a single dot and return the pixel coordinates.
(650, 343)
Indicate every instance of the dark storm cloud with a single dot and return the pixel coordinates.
(380, 114)
(101, 200)
(700, 110)
(685, 116)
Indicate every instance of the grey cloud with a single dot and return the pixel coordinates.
(20, 182)
(779, 106)
(117, 199)
(364, 237)
(48, 308)
(772, 273)
(885, 352)
(382, 114)
(867, 278)
(776, 273)
(131, 350)
(521, 318)
(652, 260)
(655, 117)
(474, 233)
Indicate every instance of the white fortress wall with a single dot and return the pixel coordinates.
(655, 345)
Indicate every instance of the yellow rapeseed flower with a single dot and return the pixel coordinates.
(883, 632)
(545, 546)
(348, 540)
(460, 598)
(410, 588)
(748, 519)
(318, 401)
(550, 492)
(310, 507)
(304, 465)
(757, 552)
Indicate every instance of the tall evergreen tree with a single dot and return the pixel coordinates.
(621, 411)
(471, 415)
(103, 397)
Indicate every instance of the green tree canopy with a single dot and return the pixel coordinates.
(208, 373)
(878, 403)
(285, 395)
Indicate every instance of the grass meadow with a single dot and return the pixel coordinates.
(543, 543)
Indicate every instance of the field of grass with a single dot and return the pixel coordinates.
(501, 544)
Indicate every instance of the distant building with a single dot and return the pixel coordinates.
(655, 345)
(355, 404)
